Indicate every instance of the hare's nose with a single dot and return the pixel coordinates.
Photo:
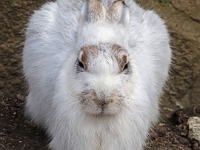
(102, 100)
(102, 103)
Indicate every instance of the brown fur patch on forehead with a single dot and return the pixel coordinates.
(88, 52)
(121, 55)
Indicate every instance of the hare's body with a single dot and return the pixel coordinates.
(65, 98)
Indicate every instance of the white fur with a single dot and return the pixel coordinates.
(53, 41)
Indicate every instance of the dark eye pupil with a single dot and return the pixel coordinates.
(125, 66)
(80, 64)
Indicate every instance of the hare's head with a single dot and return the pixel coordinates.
(103, 69)
(98, 25)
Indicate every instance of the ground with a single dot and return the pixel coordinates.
(16, 130)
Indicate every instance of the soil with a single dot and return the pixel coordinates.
(16, 130)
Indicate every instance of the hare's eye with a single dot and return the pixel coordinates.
(125, 67)
(80, 64)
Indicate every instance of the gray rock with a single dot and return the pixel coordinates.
(194, 128)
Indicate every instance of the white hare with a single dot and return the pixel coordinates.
(95, 71)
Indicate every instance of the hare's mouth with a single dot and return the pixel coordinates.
(93, 108)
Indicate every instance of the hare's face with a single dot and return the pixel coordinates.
(103, 71)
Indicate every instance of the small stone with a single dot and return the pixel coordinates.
(194, 128)
(161, 124)
(20, 97)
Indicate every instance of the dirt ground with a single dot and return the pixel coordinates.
(16, 131)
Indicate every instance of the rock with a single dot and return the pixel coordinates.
(20, 97)
(161, 124)
(194, 128)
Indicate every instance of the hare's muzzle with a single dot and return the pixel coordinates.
(99, 103)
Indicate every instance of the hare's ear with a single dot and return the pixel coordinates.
(92, 11)
(118, 13)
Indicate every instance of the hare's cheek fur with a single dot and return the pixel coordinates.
(102, 105)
